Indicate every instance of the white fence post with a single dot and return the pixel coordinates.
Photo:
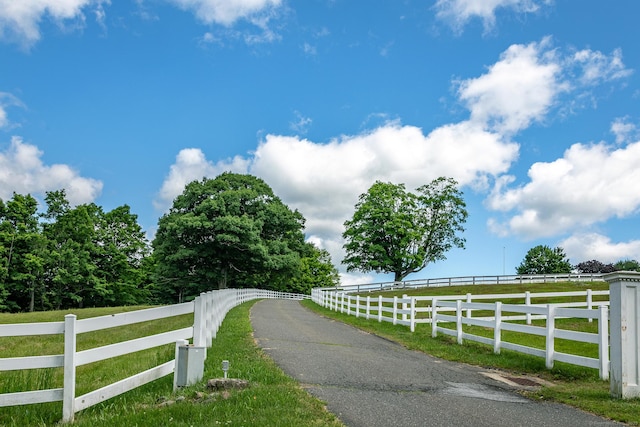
(395, 310)
(357, 305)
(405, 306)
(603, 341)
(551, 326)
(468, 312)
(368, 306)
(527, 301)
(199, 321)
(413, 315)
(434, 315)
(590, 302)
(69, 392)
(497, 335)
(459, 321)
(379, 308)
(624, 294)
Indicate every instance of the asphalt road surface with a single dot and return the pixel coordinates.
(369, 381)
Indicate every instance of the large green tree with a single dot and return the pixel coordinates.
(399, 232)
(542, 259)
(231, 231)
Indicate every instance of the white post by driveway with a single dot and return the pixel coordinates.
(624, 294)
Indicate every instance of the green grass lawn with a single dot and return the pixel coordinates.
(272, 399)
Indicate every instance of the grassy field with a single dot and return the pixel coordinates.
(573, 385)
(272, 399)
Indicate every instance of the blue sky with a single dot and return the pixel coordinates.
(531, 105)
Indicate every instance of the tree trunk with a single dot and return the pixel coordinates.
(32, 298)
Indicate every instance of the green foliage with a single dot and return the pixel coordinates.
(544, 260)
(231, 231)
(627, 265)
(594, 266)
(76, 257)
(395, 231)
(316, 271)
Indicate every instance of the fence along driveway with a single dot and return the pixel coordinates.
(370, 381)
(209, 311)
(405, 311)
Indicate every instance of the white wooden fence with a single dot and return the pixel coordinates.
(209, 311)
(410, 311)
(520, 279)
(550, 312)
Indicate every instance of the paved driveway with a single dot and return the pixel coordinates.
(369, 381)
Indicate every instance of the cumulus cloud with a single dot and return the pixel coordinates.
(226, 12)
(458, 13)
(588, 246)
(22, 171)
(7, 100)
(20, 20)
(589, 184)
(324, 180)
(518, 89)
(191, 165)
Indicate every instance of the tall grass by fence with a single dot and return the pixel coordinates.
(497, 315)
(209, 310)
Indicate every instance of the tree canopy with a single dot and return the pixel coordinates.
(542, 259)
(231, 231)
(69, 256)
(396, 231)
(594, 266)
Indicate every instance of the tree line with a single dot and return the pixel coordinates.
(231, 231)
(543, 259)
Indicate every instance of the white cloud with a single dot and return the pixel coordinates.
(588, 246)
(589, 184)
(191, 165)
(20, 19)
(7, 100)
(623, 130)
(226, 12)
(22, 171)
(459, 12)
(596, 67)
(309, 49)
(301, 123)
(324, 181)
(518, 89)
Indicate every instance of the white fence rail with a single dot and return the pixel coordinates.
(410, 311)
(550, 312)
(209, 311)
(522, 279)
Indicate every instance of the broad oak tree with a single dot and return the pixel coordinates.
(399, 232)
(542, 259)
(231, 231)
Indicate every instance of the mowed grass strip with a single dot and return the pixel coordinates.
(573, 385)
(272, 398)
